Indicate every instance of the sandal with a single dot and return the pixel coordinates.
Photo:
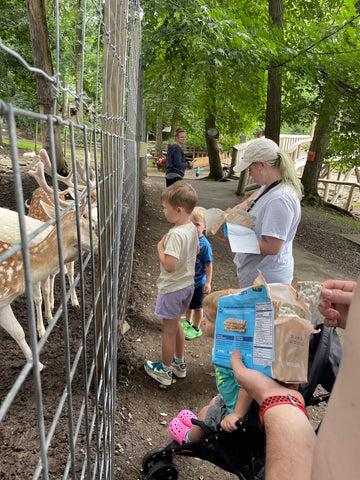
(185, 416)
(178, 430)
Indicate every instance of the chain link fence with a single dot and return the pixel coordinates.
(58, 385)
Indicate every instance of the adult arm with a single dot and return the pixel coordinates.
(290, 438)
(246, 203)
(337, 447)
(270, 245)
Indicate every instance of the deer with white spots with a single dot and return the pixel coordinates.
(44, 260)
(42, 196)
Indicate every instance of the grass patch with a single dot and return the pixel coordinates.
(323, 216)
(22, 143)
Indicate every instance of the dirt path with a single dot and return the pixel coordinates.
(144, 409)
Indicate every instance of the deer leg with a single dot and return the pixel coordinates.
(51, 291)
(38, 304)
(70, 275)
(46, 290)
(12, 326)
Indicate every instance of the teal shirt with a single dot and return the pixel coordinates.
(227, 386)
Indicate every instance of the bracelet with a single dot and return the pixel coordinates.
(274, 400)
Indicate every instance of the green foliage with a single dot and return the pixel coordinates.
(17, 84)
(232, 44)
(212, 57)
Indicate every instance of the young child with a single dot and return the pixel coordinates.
(202, 278)
(177, 252)
(228, 406)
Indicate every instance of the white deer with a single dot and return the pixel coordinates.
(44, 260)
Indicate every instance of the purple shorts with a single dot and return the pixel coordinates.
(174, 304)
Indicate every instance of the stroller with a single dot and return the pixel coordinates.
(242, 452)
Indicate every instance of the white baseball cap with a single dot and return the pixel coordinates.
(260, 150)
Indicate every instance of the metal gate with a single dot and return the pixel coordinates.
(59, 421)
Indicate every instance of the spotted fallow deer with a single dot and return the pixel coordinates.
(44, 260)
(45, 195)
(10, 233)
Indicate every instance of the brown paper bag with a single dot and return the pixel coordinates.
(291, 339)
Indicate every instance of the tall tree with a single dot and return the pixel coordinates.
(273, 101)
(334, 100)
(316, 156)
(78, 59)
(40, 44)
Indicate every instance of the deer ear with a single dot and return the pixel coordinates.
(49, 209)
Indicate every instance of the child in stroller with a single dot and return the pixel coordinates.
(242, 451)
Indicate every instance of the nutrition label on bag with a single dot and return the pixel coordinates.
(246, 322)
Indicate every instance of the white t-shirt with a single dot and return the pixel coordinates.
(277, 214)
(182, 243)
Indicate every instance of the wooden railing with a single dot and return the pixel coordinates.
(352, 186)
(202, 159)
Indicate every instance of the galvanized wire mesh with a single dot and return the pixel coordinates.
(59, 422)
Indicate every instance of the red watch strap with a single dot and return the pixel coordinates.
(288, 399)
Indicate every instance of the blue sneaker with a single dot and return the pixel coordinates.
(157, 372)
(179, 369)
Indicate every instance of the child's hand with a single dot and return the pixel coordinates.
(207, 288)
(161, 244)
(228, 423)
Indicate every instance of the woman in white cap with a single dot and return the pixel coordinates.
(276, 211)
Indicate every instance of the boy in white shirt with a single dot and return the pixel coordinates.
(177, 252)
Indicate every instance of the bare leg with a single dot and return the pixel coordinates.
(198, 314)
(180, 341)
(173, 341)
(189, 315)
(196, 432)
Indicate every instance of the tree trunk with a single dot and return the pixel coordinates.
(176, 112)
(78, 60)
(273, 102)
(42, 59)
(273, 105)
(319, 144)
(213, 151)
(211, 143)
(159, 122)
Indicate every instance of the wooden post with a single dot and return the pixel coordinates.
(350, 197)
(244, 175)
(327, 185)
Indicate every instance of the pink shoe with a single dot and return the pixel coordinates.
(178, 430)
(185, 416)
